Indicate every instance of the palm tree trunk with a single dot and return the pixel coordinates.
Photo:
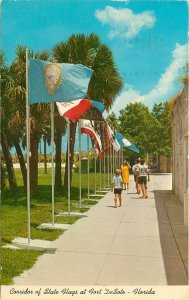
(45, 154)
(21, 161)
(3, 176)
(9, 163)
(72, 144)
(34, 142)
(58, 174)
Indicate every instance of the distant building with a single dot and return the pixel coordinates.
(180, 147)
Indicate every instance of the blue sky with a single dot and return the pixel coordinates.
(148, 38)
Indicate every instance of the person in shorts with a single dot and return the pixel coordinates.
(142, 178)
(117, 186)
(135, 170)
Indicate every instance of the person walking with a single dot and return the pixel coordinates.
(135, 170)
(125, 174)
(142, 178)
(117, 186)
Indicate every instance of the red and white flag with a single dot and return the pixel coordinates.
(73, 110)
(107, 139)
(112, 138)
(86, 126)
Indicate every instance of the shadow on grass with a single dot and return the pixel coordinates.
(169, 211)
(5, 241)
(42, 195)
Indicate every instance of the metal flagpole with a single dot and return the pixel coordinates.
(28, 142)
(119, 160)
(79, 165)
(95, 173)
(68, 166)
(52, 159)
(122, 155)
(100, 161)
(88, 165)
(104, 158)
(108, 162)
(113, 161)
(104, 169)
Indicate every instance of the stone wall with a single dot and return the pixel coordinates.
(180, 146)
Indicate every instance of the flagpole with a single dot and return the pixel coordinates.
(79, 165)
(28, 142)
(111, 161)
(68, 166)
(100, 164)
(104, 158)
(88, 165)
(52, 159)
(108, 162)
(119, 158)
(122, 155)
(95, 172)
(118, 166)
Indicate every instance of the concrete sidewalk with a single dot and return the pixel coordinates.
(144, 242)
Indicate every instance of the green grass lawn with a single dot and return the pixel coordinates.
(14, 218)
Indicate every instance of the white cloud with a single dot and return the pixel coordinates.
(123, 22)
(166, 87)
(127, 96)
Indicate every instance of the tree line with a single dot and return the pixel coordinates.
(149, 130)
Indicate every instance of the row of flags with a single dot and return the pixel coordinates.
(67, 85)
(111, 138)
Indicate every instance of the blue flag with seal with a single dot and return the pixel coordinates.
(57, 82)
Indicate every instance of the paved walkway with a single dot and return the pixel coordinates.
(144, 242)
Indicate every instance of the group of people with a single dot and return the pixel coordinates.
(121, 179)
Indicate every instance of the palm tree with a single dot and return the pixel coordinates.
(60, 129)
(46, 140)
(105, 82)
(16, 123)
(6, 83)
(113, 121)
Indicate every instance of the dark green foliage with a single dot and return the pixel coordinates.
(149, 131)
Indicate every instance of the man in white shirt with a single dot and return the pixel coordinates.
(142, 178)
